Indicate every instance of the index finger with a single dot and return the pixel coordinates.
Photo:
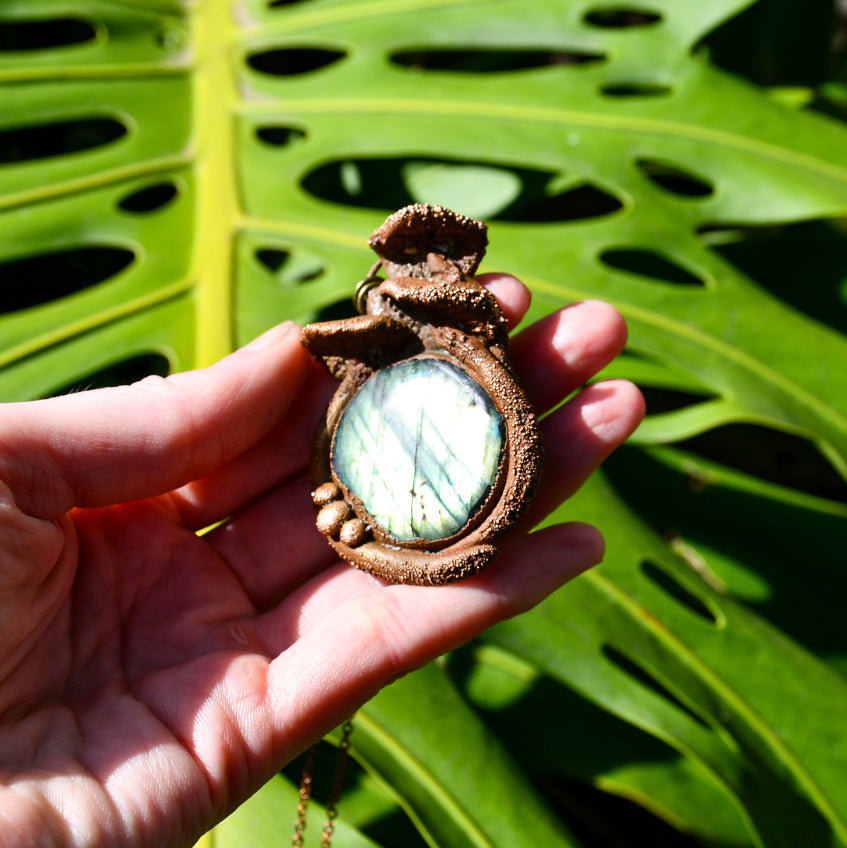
(131, 442)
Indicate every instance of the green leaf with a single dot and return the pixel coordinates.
(175, 177)
(648, 639)
(552, 731)
(447, 770)
(772, 547)
(594, 123)
(268, 819)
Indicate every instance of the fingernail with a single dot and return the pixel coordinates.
(564, 336)
(600, 417)
(615, 410)
(570, 339)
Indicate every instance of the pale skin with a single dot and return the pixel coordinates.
(152, 678)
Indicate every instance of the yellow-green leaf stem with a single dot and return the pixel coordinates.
(218, 210)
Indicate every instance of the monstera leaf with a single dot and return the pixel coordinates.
(175, 177)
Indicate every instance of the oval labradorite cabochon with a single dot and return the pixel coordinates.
(420, 445)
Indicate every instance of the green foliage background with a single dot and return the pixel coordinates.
(175, 177)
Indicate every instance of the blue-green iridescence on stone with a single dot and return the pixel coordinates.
(420, 444)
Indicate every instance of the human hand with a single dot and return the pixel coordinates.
(152, 678)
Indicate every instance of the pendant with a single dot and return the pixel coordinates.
(429, 451)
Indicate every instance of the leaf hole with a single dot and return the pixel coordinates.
(16, 36)
(661, 400)
(273, 4)
(649, 263)
(290, 269)
(576, 204)
(336, 311)
(637, 672)
(272, 259)
(492, 61)
(36, 280)
(482, 190)
(777, 256)
(149, 199)
(598, 817)
(635, 89)
(781, 458)
(675, 179)
(43, 141)
(279, 136)
(676, 590)
(621, 17)
(120, 373)
(772, 46)
(293, 61)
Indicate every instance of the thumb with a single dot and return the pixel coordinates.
(130, 442)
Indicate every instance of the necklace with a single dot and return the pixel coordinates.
(429, 450)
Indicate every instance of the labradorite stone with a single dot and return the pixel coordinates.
(420, 444)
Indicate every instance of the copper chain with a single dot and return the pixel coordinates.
(334, 795)
(305, 795)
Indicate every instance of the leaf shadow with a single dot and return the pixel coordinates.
(768, 537)
(804, 264)
(573, 749)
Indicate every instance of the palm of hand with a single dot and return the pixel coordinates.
(126, 699)
(139, 651)
(153, 678)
